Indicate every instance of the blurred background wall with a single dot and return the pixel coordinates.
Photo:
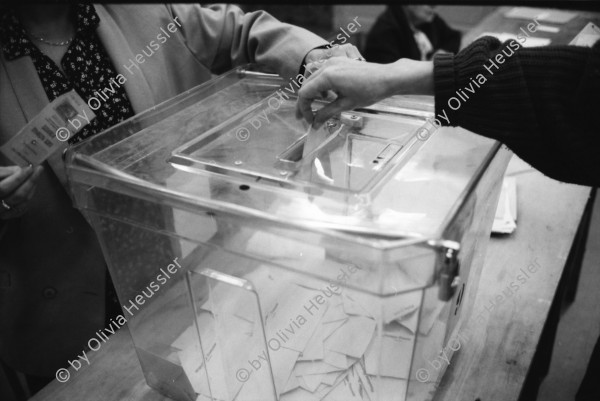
(325, 20)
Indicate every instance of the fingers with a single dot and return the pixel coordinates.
(25, 191)
(332, 109)
(18, 199)
(8, 170)
(318, 86)
(14, 177)
(353, 53)
(343, 82)
(314, 69)
(304, 109)
(346, 50)
(312, 89)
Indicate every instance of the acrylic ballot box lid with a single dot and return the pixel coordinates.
(383, 174)
(383, 184)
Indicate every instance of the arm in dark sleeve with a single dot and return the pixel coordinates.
(541, 102)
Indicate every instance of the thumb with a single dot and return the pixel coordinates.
(311, 89)
(332, 109)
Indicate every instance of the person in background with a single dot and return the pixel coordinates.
(413, 31)
(541, 102)
(54, 290)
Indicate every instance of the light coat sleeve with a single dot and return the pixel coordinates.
(223, 36)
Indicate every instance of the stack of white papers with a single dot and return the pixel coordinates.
(310, 340)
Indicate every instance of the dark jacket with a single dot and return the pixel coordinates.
(541, 102)
(391, 38)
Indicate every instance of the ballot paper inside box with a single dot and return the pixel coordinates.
(252, 268)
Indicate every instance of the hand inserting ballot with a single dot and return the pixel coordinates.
(359, 84)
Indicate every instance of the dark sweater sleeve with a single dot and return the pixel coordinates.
(541, 102)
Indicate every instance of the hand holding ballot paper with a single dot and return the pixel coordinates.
(36, 142)
(49, 130)
(17, 186)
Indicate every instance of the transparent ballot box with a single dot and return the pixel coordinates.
(252, 268)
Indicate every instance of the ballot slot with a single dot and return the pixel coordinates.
(290, 157)
(270, 145)
(369, 154)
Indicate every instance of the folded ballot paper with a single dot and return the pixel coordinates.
(320, 340)
(48, 132)
(505, 220)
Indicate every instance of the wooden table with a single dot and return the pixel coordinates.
(494, 363)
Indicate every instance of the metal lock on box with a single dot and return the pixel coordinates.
(449, 269)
